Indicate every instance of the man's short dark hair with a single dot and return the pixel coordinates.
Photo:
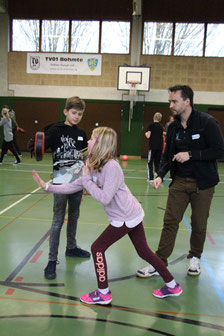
(186, 92)
(75, 103)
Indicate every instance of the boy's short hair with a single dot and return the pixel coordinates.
(75, 103)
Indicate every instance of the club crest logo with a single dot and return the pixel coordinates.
(34, 62)
(92, 63)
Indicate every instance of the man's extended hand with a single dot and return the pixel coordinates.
(156, 183)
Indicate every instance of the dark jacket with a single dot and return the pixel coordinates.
(206, 146)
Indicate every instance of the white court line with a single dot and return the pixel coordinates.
(19, 201)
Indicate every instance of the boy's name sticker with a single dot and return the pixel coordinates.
(195, 136)
(80, 138)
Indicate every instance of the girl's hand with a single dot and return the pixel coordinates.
(38, 180)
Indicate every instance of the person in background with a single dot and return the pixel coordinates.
(6, 122)
(194, 142)
(14, 129)
(171, 119)
(154, 133)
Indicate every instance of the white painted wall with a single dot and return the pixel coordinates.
(4, 43)
(45, 91)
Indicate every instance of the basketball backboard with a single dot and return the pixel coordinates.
(127, 75)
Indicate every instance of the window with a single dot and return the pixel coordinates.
(55, 36)
(85, 36)
(25, 35)
(157, 38)
(189, 39)
(214, 41)
(115, 37)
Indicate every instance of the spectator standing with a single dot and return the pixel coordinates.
(154, 133)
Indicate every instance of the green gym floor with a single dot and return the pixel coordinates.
(32, 305)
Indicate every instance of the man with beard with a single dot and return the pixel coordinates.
(194, 142)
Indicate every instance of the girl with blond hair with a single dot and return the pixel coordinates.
(103, 178)
(6, 122)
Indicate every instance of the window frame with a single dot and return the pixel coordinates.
(173, 40)
(69, 37)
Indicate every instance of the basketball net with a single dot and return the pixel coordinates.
(132, 94)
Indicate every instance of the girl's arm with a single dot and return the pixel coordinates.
(67, 188)
(113, 178)
(2, 121)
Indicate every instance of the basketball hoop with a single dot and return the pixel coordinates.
(133, 83)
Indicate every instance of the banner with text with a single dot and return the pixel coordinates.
(64, 64)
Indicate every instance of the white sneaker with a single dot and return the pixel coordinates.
(147, 272)
(194, 266)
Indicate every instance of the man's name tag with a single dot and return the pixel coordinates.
(195, 136)
(80, 138)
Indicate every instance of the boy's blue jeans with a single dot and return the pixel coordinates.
(59, 209)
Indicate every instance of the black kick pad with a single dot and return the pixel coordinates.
(39, 146)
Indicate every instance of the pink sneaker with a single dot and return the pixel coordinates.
(167, 291)
(96, 298)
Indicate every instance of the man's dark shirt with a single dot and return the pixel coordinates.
(182, 144)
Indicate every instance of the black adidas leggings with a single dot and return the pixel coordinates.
(137, 236)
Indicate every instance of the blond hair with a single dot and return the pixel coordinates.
(5, 113)
(157, 116)
(104, 148)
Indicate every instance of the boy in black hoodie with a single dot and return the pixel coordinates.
(66, 140)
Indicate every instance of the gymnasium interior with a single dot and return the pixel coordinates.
(134, 51)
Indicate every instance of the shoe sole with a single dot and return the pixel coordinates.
(50, 276)
(193, 273)
(164, 296)
(75, 256)
(97, 303)
(148, 275)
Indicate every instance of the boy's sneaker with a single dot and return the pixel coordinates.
(167, 291)
(147, 272)
(50, 270)
(194, 266)
(77, 252)
(96, 298)
(17, 162)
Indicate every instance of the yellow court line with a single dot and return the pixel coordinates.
(96, 224)
(25, 171)
(111, 308)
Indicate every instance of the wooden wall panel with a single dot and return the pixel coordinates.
(33, 116)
